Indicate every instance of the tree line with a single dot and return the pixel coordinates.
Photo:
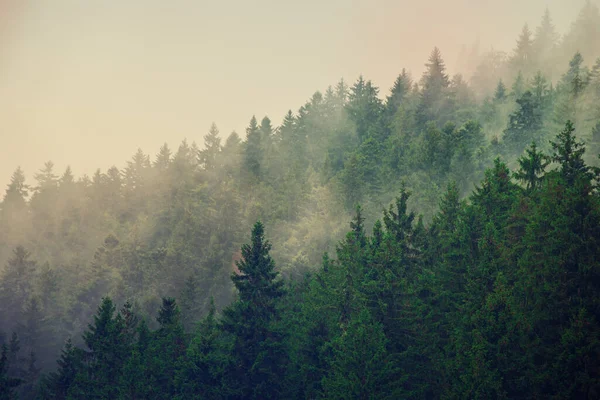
(487, 292)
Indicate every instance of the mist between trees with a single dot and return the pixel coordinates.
(480, 280)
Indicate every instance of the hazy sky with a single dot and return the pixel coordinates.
(87, 82)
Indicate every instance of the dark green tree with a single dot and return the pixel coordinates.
(532, 167)
(361, 366)
(433, 105)
(7, 384)
(524, 124)
(252, 321)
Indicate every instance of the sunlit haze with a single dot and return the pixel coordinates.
(87, 82)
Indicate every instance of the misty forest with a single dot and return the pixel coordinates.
(440, 240)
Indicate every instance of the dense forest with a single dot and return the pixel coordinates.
(441, 241)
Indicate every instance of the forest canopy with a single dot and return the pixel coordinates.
(441, 240)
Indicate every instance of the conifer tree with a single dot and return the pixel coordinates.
(16, 286)
(500, 93)
(522, 59)
(524, 124)
(568, 153)
(361, 366)
(201, 370)
(434, 84)
(163, 158)
(545, 42)
(212, 149)
(70, 364)
(105, 357)
(252, 321)
(365, 109)
(253, 151)
(400, 90)
(166, 350)
(14, 201)
(532, 167)
(7, 383)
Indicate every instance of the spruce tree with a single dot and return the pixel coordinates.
(70, 363)
(8, 384)
(163, 158)
(434, 83)
(252, 320)
(253, 151)
(212, 149)
(524, 125)
(500, 93)
(522, 59)
(361, 366)
(532, 167)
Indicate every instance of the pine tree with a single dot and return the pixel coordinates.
(7, 383)
(201, 369)
(212, 149)
(70, 364)
(163, 158)
(434, 83)
(67, 180)
(541, 91)
(523, 55)
(14, 206)
(400, 90)
(532, 167)
(545, 42)
(341, 93)
(253, 152)
(365, 109)
(106, 355)
(190, 302)
(232, 155)
(361, 366)
(46, 178)
(568, 153)
(524, 124)
(557, 285)
(500, 93)
(584, 35)
(32, 325)
(16, 286)
(576, 78)
(166, 350)
(135, 175)
(252, 320)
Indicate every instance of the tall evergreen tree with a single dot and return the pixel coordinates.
(253, 151)
(163, 158)
(532, 167)
(7, 383)
(434, 84)
(212, 149)
(252, 321)
(522, 59)
(400, 90)
(16, 286)
(524, 124)
(364, 109)
(545, 42)
(500, 93)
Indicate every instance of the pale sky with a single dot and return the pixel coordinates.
(87, 82)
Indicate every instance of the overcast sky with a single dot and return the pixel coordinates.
(87, 82)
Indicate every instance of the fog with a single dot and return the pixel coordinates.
(86, 83)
